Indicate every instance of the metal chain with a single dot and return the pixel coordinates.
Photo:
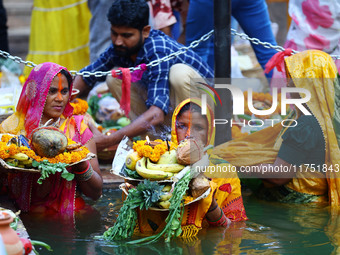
(156, 62)
(16, 59)
(266, 44)
(258, 42)
(101, 73)
(181, 50)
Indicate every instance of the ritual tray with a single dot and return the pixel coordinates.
(124, 148)
(7, 168)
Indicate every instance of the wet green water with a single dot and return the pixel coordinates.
(272, 228)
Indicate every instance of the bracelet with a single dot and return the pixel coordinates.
(86, 175)
(87, 168)
(213, 222)
(222, 221)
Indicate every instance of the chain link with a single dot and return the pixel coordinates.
(258, 42)
(16, 59)
(266, 44)
(156, 62)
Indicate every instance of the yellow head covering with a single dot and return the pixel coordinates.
(315, 71)
(209, 116)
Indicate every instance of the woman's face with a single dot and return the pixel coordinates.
(57, 98)
(192, 124)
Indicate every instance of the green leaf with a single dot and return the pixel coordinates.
(68, 176)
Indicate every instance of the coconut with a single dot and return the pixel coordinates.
(198, 186)
(189, 151)
(48, 141)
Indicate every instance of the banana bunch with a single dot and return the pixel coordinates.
(154, 175)
(20, 160)
(164, 202)
(165, 168)
(152, 171)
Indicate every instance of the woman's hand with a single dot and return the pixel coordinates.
(80, 167)
(216, 217)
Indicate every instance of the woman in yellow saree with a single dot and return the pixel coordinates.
(60, 33)
(310, 148)
(224, 201)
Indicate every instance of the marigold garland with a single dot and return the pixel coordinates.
(80, 107)
(66, 157)
(187, 199)
(145, 150)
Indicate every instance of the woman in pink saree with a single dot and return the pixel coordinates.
(45, 96)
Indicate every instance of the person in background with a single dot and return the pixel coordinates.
(59, 33)
(161, 15)
(135, 43)
(161, 18)
(45, 96)
(306, 156)
(252, 15)
(99, 25)
(315, 24)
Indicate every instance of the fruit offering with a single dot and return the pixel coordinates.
(15, 151)
(48, 141)
(198, 186)
(153, 160)
(189, 151)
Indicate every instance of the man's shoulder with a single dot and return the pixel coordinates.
(159, 39)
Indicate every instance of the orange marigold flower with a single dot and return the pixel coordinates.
(154, 153)
(80, 107)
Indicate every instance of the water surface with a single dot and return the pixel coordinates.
(273, 228)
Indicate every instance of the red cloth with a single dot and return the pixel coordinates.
(126, 90)
(277, 61)
(126, 78)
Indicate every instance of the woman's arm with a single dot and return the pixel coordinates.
(216, 217)
(93, 186)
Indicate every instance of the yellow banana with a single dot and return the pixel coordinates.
(20, 156)
(164, 204)
(28, 162)
(165, 197)
(167, 188)
(150, 174)
(12, 161)
(169, 157)
(131, 160)
(172, 168)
